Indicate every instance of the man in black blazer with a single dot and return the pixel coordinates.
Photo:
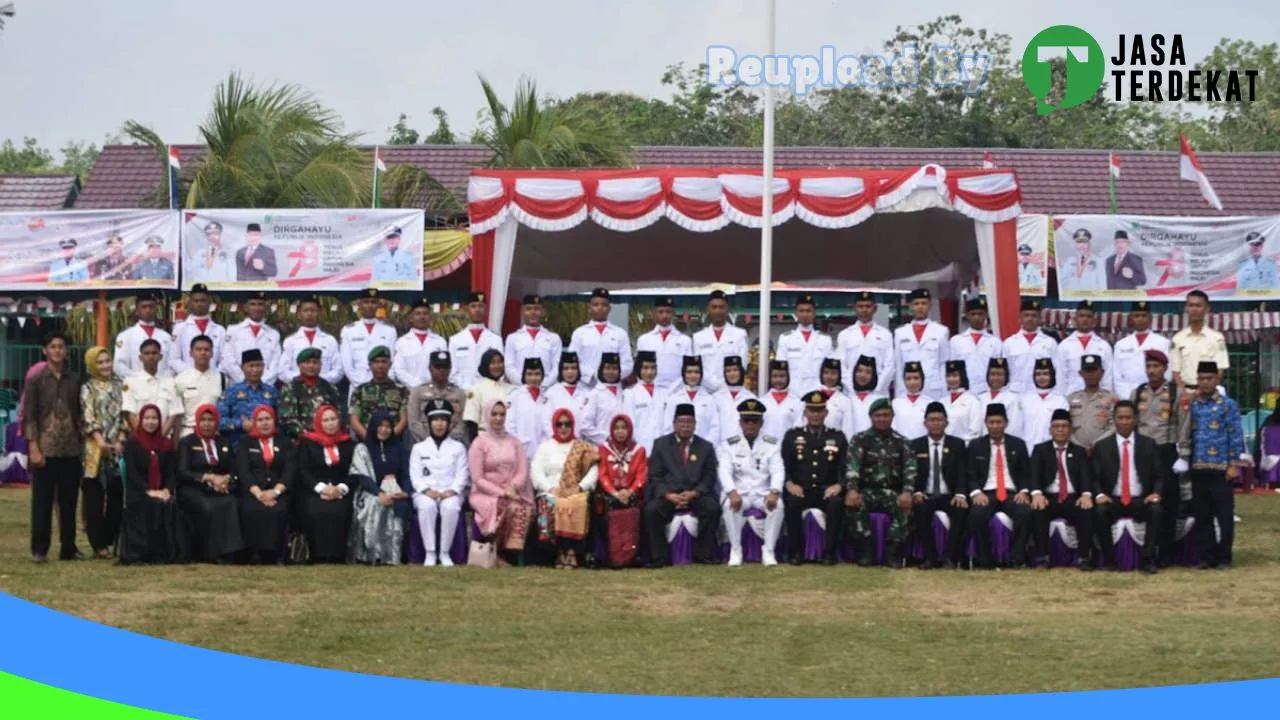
(682, 476)
(255, 262)
(940, 487)
(1124, 269)
(1130, 478)
(999, 480)
(1062, 487)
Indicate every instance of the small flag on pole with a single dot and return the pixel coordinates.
(1114, 163)
(175, 164)
(1189, 167)
(988, 162)
(379, 167)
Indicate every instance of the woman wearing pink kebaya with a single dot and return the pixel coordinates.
(502, 497)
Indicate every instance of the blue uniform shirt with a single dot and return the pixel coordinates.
(68, 271)
(1217, 439)
(398, 266)
(236, 408)
(1260, 274)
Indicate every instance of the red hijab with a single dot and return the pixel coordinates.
(555, 418)
(627, 445)
(154, 443)
(253, 430)
(217, 420)
(317, 434)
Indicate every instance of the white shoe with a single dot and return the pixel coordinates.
(735, 557)
(767, 557)
(430, 561)
(446, 561)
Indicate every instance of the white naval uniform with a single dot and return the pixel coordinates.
(908, 416)
(966, 416)
(594, 338)
(330, 355)
(129, 345)
(839, 411)
(604, 406)
(645, 406)
(527, 418)
(411, 357)
(439, 468)
(1082, 273)
(188, 330)
(240, 337)
(1030, 276)
(1068, 362)
(713, 350)
(706, 412)
(1012, 402)
(465, 348)
(728, 399)
(1037, 413)
(142, 389)
(753, 470)
(356, 340)
(861, 409)
(670, 352)
(932, 351)
(195, 388)
(872, 340)
(577, 401)
(976, 356)
(1022, 355)
(804, 354)
(530, 342)
(780, 415)
(1130, 357)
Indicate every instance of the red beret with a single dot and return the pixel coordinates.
(1157, 356)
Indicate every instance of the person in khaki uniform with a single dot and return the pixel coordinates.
(1197, 343)
(1091, 407)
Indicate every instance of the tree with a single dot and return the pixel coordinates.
(401, 133)
(78, 158)
(1245, 126)
(443, 134)
(533, 133)
(30, 158)
(273, 146)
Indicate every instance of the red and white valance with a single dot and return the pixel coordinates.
(708, 199)
(1171, 322)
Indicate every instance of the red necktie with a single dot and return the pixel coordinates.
(912, 398)
(1030, 337)
(806, 334)
(534, 392)
(475, 334)
(1126, 494)
(600, 328)
(955, 395)
(1001, 493)
(422, 337)
(828, 392)
(977, 337)
(148, 329)
(733, 394)
(918, 329)
(1142, 338)
(613, 389)
(331, 455)
(255, 329)
(210, 454)
(692, 393)
(649, 387)
(1044, 395)
(664, 334)
(1062, 478)
(310, 335)
(1084, 341)
(717, 332)
(570, 389)
(267, 455)
(862, 395)
(368, 328)
(866, 329)
(202, 324)
(1119, 262)
(533, 334)
(778, 397)
(994, 394)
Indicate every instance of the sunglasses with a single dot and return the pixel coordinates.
(564, 424)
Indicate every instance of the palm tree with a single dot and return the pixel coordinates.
(532, 133)
(273, 146)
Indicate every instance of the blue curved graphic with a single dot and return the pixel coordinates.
(51, 648)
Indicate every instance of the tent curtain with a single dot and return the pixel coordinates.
(444, 251)
(504, 255)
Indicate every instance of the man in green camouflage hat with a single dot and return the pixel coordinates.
(881, 477)
(304, 395)
(380, 393)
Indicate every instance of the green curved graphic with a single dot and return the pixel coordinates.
(1086, 66)
(21, 699)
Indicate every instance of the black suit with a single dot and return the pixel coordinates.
(670, 473)
(1115, 278)
(245, 272)
(1149, 470)
(952, 470)
(1017, 469)
(1044, 472)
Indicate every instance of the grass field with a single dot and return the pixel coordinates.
(810, 631)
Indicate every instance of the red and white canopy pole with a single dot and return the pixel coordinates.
(766, 215)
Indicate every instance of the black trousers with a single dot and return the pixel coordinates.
(1171, 504)
(1081, 520)
(922, 526)
(980, 516)
(103, 508)
(660, 511)
(1213, 497)
(793, 511)
(1150, 513)
(60, 476)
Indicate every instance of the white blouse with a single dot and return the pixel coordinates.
(548, 465)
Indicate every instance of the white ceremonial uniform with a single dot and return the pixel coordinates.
(645, 406)
(932, 351)
(1082, 273)
(129, 345)
(465, 348)
(1030, 276)
(594, 338)
(728, 399)
(606, 403)
(527, 418)
(1067, 364)
(142, 389)
(396, 266)
(195, 388)
(356, 340)
(1012, 402)
(753, 470)
(440, 468)
(713, 345)
(839, 411)
(574, 398)
(706, 412)
(1130, 358)
(873, 341)
(670, 351)
(783, 410)
(330, 355)
(966, 416)
(1022, 354)
(976, 350)
(1037, 413)
(241, 337)
(411, 357)
(860, 403)
(530, 342)
(188, 330)
(804, 349)
(908, 416)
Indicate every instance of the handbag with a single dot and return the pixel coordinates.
(482, 554)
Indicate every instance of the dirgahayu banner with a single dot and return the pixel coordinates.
(88, 249)
(1124, 257)
(330, 250)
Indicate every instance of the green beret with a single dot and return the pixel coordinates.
(881, 404)
(309, 353)
(382, 351)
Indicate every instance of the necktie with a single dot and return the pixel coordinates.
(202, 324)
(533, 334)
(918, 329)
(977, 337)
(1029, 336)
(570, 388)
(718, 332)
(866, 329)
(806, 334)
(955, 395)
(148, 329)
(267, 455)
(692, 393)
(613, 389)
(778, 397)
(255, 329)
(1119, 262)
(1142, 338)
(1084, 341)
(997, 449)
(310, 335)
(649, 388)
(1126, 493)
(600, 328)
(533, 391)
(862, 396)
(248, 254)
(935, 481)
(422, 338)
(210, 453)
(664, 334)
(684, 451)
(1062, 478)
(475, 334)
(368, 328)
(733, 394)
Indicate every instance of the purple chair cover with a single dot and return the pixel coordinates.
(879, 537)
(752, 545)
(1001, 540)
(417, 552)
(682, 543)
(815, 540)
(1128, 553)
(600, 545)
(15, 473)
(1188, 550)
(1270, 441)
(1059, 554)
(915, 548)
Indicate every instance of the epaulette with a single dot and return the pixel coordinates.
(734, 440)
(769, 440)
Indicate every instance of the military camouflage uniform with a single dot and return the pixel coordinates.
(373, 396)
(881, 466)
(1091, 416)
(299, 403)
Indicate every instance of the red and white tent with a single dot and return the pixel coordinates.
(564, 231)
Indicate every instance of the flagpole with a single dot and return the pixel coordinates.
(766, 216)
(168, 166)
(1113, 169)
(373, 195)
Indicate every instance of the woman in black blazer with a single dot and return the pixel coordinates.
(206, 489)
(264, 474)
(153, 530)
(323, 507)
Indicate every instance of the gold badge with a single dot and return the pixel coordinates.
(692, 457)
(120, 343)
(1213, 425)
(124, 388)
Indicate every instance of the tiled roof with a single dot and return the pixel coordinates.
(1053, 181)
(21, 191)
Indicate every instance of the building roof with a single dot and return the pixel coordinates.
(1053, 181)
(25, 191)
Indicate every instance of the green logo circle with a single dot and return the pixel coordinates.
(1086, 66)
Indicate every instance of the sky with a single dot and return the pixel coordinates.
(77, 69)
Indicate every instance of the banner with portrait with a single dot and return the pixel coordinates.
(88, 250)
(1123, 257)
(331, 250)
(1033, 256)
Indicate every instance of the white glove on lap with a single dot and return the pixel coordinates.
(1181, 466)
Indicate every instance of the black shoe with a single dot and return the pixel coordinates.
(795, 560)
(864, 559)
(1085, 564)
(1224, 566)
(895, 559)
(1150, 568)
(73, 555)
(829, 559)
(926, 564)
(39, 558)
(1204, 565)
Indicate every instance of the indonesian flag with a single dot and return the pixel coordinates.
(175, 158)
(1115, 166)
(379, 167)
(1189, 166)
(175, 164)
(1114, 163)
(988, 162)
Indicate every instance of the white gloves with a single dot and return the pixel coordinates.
(1181, 466)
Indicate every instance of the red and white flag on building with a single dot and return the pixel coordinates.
(988, 162)
(1190, 169)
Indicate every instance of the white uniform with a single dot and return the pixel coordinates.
(860, 404)
(932, 351)
(1067, 363)
(356, 340)
(188, 330)
(1030, 276)
(411, 363)
(605, 404)
(1022, 355)
(1012, 402)
(440, 468)
(530, 342)
(965, 416)
(129, 345)
(706, 412)
(645, 406)
(781, 413)
(976, 355)
(908, 416)
(804, 349)
(330, 356)
(731, 341)
(241, 337)
(527, 418)
(142, 389)
(1037, 412)
(1131, 361)
(753, 470)
(465, 348)
(1081, 273)
(728, 399)
(873, 341)
(670, 351)
(577, 400)
(839, 412)
(594, 338)
(195, 388)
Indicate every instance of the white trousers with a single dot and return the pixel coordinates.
(735, 521)
(448, 510)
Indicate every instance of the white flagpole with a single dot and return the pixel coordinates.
(766, 230)
(373, 202)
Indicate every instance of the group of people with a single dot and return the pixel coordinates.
(221, 444)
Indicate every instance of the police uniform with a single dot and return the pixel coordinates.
(68, 269)
(422, 397)
(249, 335)
(754, 470)
(317, 338)
(1083, 271)
(191, 328)
(1011, 401)
(605, 403)
(1129, 356)
(882, 467)
(154, 268)
(965, 413)
(645, 403)
(530, 341)
(387, 395)
(358, 338)
(1161, 416)
(814, 460)
(396, 265)
(1023, 349)
(242, 398)
(467, 345)
(804, 349)
(1091, 412)
(441, 466)
(300, 399)
(589, 341)
(114, 266)
(706, 410)
(869, 339)
(129, 345)
(976, 348)
(783, 409)
(908, 410)
(1038, 406)
(927, 343)
(839, 406)
(413, 351)
(1258, 273)
(1211, 442)
(670, 346)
